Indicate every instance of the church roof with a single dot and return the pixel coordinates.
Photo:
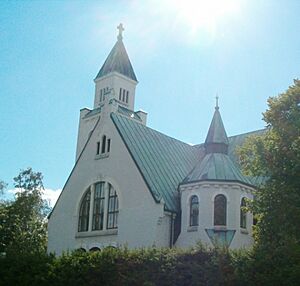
(163, 161)
(117, 61)
(216, 167)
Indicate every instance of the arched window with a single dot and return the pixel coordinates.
(104, 201)
(83, 223)
(220, 206)
(98, 210)
(243, 214)
(103, 144)
(194, 211)
(113, 208)
(93, 249)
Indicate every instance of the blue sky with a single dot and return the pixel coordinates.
(182, 54)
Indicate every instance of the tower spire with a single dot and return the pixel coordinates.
(121, 29)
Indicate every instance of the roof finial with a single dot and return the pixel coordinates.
(121, 29)
(217, 102)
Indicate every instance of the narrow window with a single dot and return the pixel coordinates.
(220, 205)
(113, 208)
(108, 145)
(98, 148)
(127, 96)
(194, 211)
(100, 95)
(123, 95)
(243, 214)
(98, 210)
(120, 94)
(83, 222)
(103, 144)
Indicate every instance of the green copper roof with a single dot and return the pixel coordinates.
(117, 61)
(216, 132)
(216, 167)
(162, 160)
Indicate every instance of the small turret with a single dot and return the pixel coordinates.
(216, 139)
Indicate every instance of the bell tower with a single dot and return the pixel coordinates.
(116, 78)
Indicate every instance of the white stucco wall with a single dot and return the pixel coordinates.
(142, 221)
(206, 193)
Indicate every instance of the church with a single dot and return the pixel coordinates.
(134, 186)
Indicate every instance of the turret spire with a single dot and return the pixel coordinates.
(216, 139)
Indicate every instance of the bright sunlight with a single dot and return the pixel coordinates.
(199, 15)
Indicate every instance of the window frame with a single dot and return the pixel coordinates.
(99, 201)
(84, 215)
(220, 210)
(114, 212)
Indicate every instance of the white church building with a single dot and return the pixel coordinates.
(134, 186)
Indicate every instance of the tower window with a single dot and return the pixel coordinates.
(120, 94)
(220, 210)
(101, 93)
(127, 92)
(123, 99)
(194, 211)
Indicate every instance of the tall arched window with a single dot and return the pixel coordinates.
(220, 206)
(243, 214)
(113, 208)
(105, 204)
(194, 211)
(98, 210)
(83, 223)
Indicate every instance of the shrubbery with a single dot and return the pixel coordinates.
(153, 266)
(150, 266)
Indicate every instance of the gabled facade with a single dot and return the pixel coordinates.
(134, 186)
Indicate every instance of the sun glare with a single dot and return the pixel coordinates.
(201, 14)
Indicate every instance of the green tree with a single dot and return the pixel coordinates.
(276, 156)
(23, 226)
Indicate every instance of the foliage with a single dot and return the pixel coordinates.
(22, 221)
(151, 266)
(276, 155)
